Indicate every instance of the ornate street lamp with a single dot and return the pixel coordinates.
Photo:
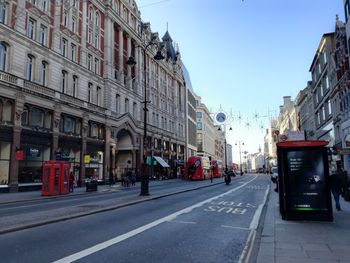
(131, 62)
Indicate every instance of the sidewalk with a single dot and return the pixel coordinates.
(304, 241)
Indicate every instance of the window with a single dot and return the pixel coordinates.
(74, 24)
(134, 110)
(29, 67)
(64, 47)
(43, 73)
(321, 90)
(65, 18)
(3, 13)
(73, 52)
(36, 117)
(329, 107)
(126, 109)
(324, 57)
(98, 96)
(91, 14)
(90, 36)
(31, 28)
(199, 125)
(198, 114)
(327, 82)
(64, 81)
(319, 68)
(43, 34)
(89, 92)
(97, 66)
(89, 62)
(44, 5)
(7, 111)
(3, 55)
(323, 114)
(97, 39)
(74, 85)
(117, 103)
(97, 20)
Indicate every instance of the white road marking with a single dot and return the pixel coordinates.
(118, 239)
(182, 222)
(253, 228)
(235, 227)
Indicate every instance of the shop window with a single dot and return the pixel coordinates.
(5, 151)
(7, 111)
(30, 167)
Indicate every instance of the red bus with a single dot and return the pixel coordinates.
(217, 168)
(197, 168)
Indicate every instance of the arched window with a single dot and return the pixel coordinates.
(43, 73)
(117, 103)
(97, 20)
(3, 13)
(89, 92)
(64, 81)
(3, 55)
(91, 14)
(29, 67)
(75, 85)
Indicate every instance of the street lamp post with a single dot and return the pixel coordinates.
(131, 62)
(239, 143)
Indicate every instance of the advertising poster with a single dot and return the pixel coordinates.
(306, 179)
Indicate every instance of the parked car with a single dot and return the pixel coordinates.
(274, 174)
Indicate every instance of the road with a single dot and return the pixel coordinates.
(212, 224)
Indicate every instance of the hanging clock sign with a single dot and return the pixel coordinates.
(220, 117)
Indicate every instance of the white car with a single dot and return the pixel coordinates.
(274, 174)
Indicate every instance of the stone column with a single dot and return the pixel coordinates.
(107, 155)
(128, 55)
(85, 126)
(109, 44)
(16, 144)
(120, 56)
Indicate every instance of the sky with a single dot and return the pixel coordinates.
(244, 56)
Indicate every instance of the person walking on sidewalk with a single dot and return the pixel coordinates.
(71, 182)
(335, 188)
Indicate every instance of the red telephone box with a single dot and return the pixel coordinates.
(55, 178)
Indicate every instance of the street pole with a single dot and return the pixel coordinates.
(131, 61)
(144, 176)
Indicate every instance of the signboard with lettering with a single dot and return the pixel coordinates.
(303, 183)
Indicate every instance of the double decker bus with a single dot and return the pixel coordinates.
(197, 168)
(217, 168)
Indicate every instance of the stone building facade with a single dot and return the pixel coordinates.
(67, 92)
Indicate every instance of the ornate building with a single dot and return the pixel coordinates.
(67, 92)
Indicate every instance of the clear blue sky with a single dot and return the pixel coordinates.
(245, 56)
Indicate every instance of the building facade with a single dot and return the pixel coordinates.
(67, 92)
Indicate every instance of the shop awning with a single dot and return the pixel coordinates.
(161, 161)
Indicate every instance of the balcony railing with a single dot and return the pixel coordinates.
(8, 78)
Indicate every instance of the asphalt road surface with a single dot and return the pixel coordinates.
(213, 224)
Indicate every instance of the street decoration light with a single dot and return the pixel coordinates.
(131, 62)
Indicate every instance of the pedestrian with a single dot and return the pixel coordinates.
(111, 176)
(71, 182)
(133, 178)
(335, 187)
